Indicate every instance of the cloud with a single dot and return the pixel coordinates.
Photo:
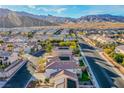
(94, 12)
(31, 6)
(105, 9)
(57, 10)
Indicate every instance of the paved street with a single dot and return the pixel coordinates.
(21, 78)
(104, 73)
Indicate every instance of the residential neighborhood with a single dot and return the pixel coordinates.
(47, 51)
(46, 59)
(52, 60)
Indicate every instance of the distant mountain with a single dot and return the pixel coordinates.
(101, 18)
(4, 12)
(50, 18)
(56, 19)
(18, 19)
(10, 18)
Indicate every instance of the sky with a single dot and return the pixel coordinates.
(74, 11)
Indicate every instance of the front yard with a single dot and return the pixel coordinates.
(40, 83)
(84, 76)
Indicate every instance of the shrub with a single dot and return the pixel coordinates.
(118, 58)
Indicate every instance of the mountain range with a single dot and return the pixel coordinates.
(9, 18)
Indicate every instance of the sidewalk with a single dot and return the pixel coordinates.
(111, 62)
(94, 80)
(115, 65)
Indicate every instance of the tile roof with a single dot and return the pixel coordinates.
(120, 47)
(4, 53)
(61, 65)
(64, 72)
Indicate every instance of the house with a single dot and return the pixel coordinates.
(13, 57)
(61, 68)
(27, 49)
(62, 50)
(119, 49)
(4, 55)
(65, 32)
(10, 62)
(64, 79)
(8, 58)
(62, 60)
(102, 39)
(69, 38)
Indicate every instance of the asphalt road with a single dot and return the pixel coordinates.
(103, 71)
(21, 78)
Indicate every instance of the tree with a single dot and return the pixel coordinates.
(64, 44)
(30, 34)
(1, 41)
(76, 52)
(48, 46)
(46, 80)
(67, 43)
(108, 51)
(122, 63)
(2, 66)
(10, 47)
(81, 62)
(32, 50)
(119, 58)
(73, 47)
(73, 35)
(42, 60)
(41, 64)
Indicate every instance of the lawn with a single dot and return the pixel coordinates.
(84, 77)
